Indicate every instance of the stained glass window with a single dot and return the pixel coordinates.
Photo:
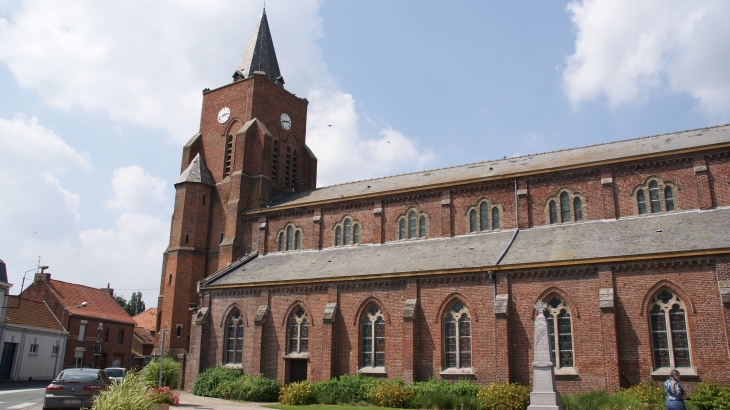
(356, 234)
(564, 207)
(281, 242)
(422, 227)
(578, 209)
(372, 338)
(412, 225)
(289, 237)
(668, 199)
(483, 217)
(560, 329)
(553, 212)
(495, 218)
(402, 229)
(234, 338)
(669, 338)
(348, 228)
(297, 239)
(656, 205)
(298, 332)
(472, 221)
(641, 201)
(457, 336)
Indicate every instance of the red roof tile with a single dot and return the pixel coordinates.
(147, 319)
(99, 303)
(30, 313)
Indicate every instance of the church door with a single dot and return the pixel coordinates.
(297, 370)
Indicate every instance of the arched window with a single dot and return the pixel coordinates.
(338, 236)
(348, 228)
(412, 225)
(553, 212)
(495, 218)
(457, 336)
(473, 221)
(668, 199)
(372, 338)
(669, 339)
(561, 332)
(641, 201)
(422, 227)
(298, 332)
(275, 161)
(578, 209)
(290, 238)
(234, 338)
(484, 216)
(356, 234)
(656, 205)
(564, 207)
(402, 229)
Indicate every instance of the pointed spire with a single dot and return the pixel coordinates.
(260, 54)
(196, 172)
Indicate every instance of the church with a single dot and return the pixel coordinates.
(435, 273)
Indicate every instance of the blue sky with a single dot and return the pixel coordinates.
(97, 99)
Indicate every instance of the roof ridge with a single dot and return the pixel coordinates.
(523, 156)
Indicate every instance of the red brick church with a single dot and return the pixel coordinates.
(435, 273)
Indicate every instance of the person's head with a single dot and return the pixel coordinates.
(675, 374)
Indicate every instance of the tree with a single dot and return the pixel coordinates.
(121, 300)
(135, 305)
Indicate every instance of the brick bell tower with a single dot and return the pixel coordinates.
(250, 148)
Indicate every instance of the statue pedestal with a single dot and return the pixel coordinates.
(544, 395)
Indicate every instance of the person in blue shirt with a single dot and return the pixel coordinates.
(674, 391)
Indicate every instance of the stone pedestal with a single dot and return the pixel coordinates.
(544, 395)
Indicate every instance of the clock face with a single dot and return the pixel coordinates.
(223, 115)
(285, 121)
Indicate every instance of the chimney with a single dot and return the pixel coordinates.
(42, 276)
(108, 290)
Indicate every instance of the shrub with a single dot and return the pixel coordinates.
(208, 382)
(130, 394)
(248, 388)
(432, 394)
(345, 389)
(710, 396)
(298, 393)
(504, 396)
(646, 393)
(170, 373)
(164, 395)
(390, 394)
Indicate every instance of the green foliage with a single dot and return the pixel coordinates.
(710, 396)
(135, 305)
(121, 300)
(298, 393)
(248, 388)
(208, 383)
(170, 373)
(504, 396)
(647, 396)
(345, 389)
(645, 393)
(391, 394)
(130, 394)
(444, 395)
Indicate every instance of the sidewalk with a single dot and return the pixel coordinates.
(190, 401)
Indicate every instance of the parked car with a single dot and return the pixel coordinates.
(117, 374)
(75, 388)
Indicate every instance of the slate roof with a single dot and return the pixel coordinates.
(31, 313)
(147, 319)
(196, 172)
(260, 54)
(100, 304)
(628, 237)
(507, 167)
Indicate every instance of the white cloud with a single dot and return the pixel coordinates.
(135, 189)
(147, 62)
(626, 50)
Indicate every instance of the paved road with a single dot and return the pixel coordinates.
(22, 398)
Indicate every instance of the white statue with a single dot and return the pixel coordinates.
(544, 395)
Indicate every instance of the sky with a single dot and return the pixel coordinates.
(98, 98)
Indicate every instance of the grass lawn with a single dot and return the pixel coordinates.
(322, 407)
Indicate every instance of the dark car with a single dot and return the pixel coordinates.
(75, 388)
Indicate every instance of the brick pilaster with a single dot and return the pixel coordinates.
(608, 194)
(447, 215)
(608, 330)
(501, 331)
(704, 190)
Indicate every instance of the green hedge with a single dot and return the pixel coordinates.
(150, 374)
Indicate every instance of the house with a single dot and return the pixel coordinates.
(100, 331)
(144, 333)
(147, 320)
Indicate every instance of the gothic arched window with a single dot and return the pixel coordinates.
(290, 238)
(669, 338)
(356, 234)
(661, 196)
(495, 218)
(553, 212)
(484, 216)
(402, 229)
(372, 337)
(234, 338)
(298, 332)
(561, 332)
(347, 232)
(564, 207)
(656, 205)
(472, 221)
(411, 225)
(578, 209)
(641, 201)
(338, 236)
(282, 242)
(348, 228)
(668, 199)
(457, 336)
(422, 227)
